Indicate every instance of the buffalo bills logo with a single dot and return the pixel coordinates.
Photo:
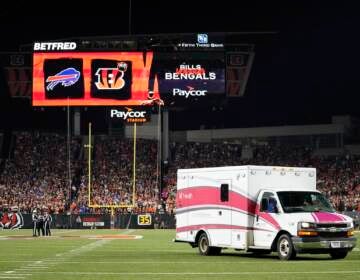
(111, 78)
(66, 78)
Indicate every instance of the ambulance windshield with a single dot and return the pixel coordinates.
(304, 202)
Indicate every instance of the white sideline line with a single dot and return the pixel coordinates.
(17, 274)
(136, 250)
(11, 277)
(37, 267)
(270, 261)
(65, 231)
(200, 273)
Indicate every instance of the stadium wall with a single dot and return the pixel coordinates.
(104, 221)
(131, 221)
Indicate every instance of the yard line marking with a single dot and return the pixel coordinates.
(18, 274)
(264, 261)
(200, 273)
(38, 267)
(87, 247)
(270, 261)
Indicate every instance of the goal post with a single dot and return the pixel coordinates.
(89, 146)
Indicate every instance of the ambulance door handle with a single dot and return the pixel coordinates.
(220, 213)
(257, 218)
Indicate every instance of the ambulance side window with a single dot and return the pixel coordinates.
(224, 192)
(268, 203)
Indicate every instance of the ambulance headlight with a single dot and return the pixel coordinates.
(307, 225)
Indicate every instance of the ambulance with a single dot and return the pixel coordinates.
(259, 209)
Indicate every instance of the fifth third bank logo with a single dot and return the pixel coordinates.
(202, 38)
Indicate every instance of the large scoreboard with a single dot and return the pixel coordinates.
(65, 76)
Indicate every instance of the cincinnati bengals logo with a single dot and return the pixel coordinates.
(111, 78)
(12, 220)
(17, 220)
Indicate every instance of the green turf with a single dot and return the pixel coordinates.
(153, 257)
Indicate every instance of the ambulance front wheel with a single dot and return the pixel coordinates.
(285, 248)
(204, 248)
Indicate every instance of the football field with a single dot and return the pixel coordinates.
(149, 254)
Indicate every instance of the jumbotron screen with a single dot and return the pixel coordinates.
(124, 78)
(202, 70)
(91, 78)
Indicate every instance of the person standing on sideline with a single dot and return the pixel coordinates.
(40, 223)
(34, 218)
(47, 223)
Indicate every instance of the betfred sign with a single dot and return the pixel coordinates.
(54, 46)
(130, 115)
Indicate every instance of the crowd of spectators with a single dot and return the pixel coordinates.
(38, 174)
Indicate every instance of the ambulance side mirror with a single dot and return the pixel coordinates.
(264, 205)
(224, 192)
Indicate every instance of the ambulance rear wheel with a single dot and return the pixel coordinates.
(285, 248)
(204, 248)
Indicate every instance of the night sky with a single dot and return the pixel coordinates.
(304, 73)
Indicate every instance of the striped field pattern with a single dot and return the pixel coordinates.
(117, 254)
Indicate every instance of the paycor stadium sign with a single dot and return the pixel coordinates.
(130, 115)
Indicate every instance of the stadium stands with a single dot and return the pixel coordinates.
(37, 175)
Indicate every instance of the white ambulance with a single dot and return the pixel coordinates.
(259, 209)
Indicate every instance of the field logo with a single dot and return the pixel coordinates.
(111, 78)
(12, 220)
(66, 78)
(144, 220)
